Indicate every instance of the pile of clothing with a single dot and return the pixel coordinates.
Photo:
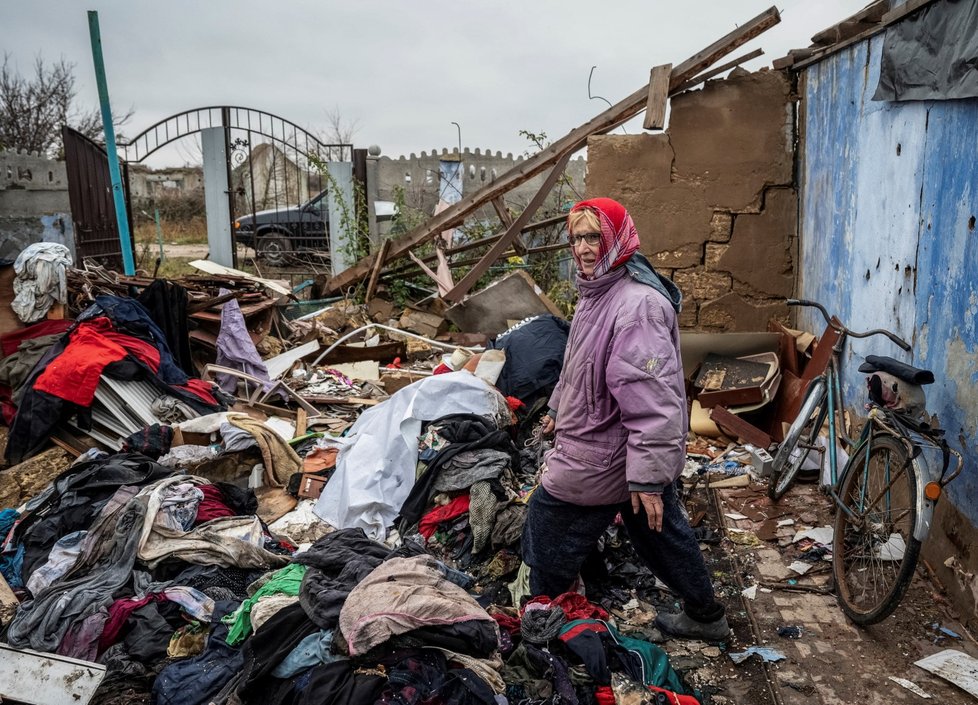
(57, 379)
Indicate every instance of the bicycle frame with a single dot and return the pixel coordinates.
(924, 470)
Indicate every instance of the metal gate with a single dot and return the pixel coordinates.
(276, 178)
(90, 195)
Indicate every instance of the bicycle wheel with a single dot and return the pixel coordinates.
(874, 553)
(801, 436)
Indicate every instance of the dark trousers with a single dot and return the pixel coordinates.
(558, 536)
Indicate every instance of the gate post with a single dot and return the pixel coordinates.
(342, 215)
(216, 189)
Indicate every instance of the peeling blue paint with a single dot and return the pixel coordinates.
(888, 234)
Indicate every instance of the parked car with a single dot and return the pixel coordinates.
(276, 232)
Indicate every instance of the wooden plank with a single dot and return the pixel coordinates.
(889, 18)
(822, 352)
(898, 13)
(502, 211)
(503, 243)
(703, 77)
(621, 112)
(723, 46)
(506, 218)
(482, 242)
(871, 14)
(385, 248)
(655, 106)
(733, 425)
(301, 422)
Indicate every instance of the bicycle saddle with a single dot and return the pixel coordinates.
(900, 370)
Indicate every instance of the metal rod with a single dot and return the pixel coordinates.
(118, 195)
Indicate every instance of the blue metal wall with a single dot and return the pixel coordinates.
(888, 236)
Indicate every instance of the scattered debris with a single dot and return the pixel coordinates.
(911, 686)
(766, 653)
(955, 667)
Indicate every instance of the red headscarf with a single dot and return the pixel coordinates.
(619, 239)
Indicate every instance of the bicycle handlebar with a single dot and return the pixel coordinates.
(842, 329)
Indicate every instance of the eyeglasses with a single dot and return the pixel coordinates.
(591, 239)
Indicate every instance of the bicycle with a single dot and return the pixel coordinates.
(885, 496)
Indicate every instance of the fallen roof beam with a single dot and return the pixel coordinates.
(482, 242)
(704, 77)
(512, 232)
(621, 112)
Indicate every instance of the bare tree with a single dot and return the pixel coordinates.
(338, 129)
(33, 110)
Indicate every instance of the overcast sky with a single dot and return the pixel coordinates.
(403, 70)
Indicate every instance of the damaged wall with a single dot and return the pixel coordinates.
(419, 175)
(33, 202)
(888, 239)
(713, 198)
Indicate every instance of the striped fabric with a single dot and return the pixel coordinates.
(619, 238)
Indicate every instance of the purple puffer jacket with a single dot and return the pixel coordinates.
(621, 400)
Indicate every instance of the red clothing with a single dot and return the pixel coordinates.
(119, 612)
(574, 605)
(212, 506)
(9, 342)
(74, 374)
(430, 521)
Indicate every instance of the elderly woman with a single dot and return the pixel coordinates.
(619, 411)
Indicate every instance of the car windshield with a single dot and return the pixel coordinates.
(316, 203)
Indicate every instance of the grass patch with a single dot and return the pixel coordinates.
(192, 231)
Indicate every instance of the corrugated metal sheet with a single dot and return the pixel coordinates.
(888, 235)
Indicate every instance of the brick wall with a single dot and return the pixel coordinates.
(713, 198)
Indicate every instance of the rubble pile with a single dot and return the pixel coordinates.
(243, 507)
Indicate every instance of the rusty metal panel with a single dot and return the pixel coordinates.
(90, 195)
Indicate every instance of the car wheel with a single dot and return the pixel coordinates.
(274, 249)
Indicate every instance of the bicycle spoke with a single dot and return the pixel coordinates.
(875, 531)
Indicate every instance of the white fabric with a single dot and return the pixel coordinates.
(41, 280)
(375, 466)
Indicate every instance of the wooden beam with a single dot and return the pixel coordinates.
(891, 17)
(301, 422)
(735, 426)
(503, 243)
(655, 106)
(703, 77)
(375, 271)
(621, 112)
(507, 220)
(502, 211)
(476, 260)
(482, 242)
(854, 24)
(723, 46)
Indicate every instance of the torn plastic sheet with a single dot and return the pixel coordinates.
(931, 54)
(766, 653)
(375, 467)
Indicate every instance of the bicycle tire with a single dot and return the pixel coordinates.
(785, 468)
(850, 567)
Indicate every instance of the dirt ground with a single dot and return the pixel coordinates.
(833, 662)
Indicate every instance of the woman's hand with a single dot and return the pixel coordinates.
(548, 425)
(653, 507)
